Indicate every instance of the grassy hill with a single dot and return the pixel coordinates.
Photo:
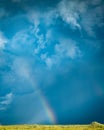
(92, 126)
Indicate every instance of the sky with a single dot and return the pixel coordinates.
(51, 61)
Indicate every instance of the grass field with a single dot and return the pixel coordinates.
(92, 126)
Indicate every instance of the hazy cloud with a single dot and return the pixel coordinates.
(3, 41)
(67, 12)
(77, 14)
(68, 48)
(5, 101)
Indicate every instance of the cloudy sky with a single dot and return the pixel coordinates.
(51, 61)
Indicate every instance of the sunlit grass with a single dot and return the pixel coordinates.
(92, 126)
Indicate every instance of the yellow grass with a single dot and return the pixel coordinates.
(92, 126)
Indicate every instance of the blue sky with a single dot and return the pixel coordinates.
(51, 61)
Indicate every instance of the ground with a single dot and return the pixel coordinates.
(92, 126)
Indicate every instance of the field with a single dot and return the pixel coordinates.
(92, 126)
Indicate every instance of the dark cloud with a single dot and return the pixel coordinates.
(14, 7)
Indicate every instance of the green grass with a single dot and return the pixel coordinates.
(92, 126)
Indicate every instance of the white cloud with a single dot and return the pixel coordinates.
(50, 16)
(67, 11)
(3, 41)
(5, 101)
(36, 18)
(67, 48)
(21, 68)
(64, 9)
(20, 38)
(40, 40)
(48, 60)
(75, 13)
(91, 17)
(78, 14)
